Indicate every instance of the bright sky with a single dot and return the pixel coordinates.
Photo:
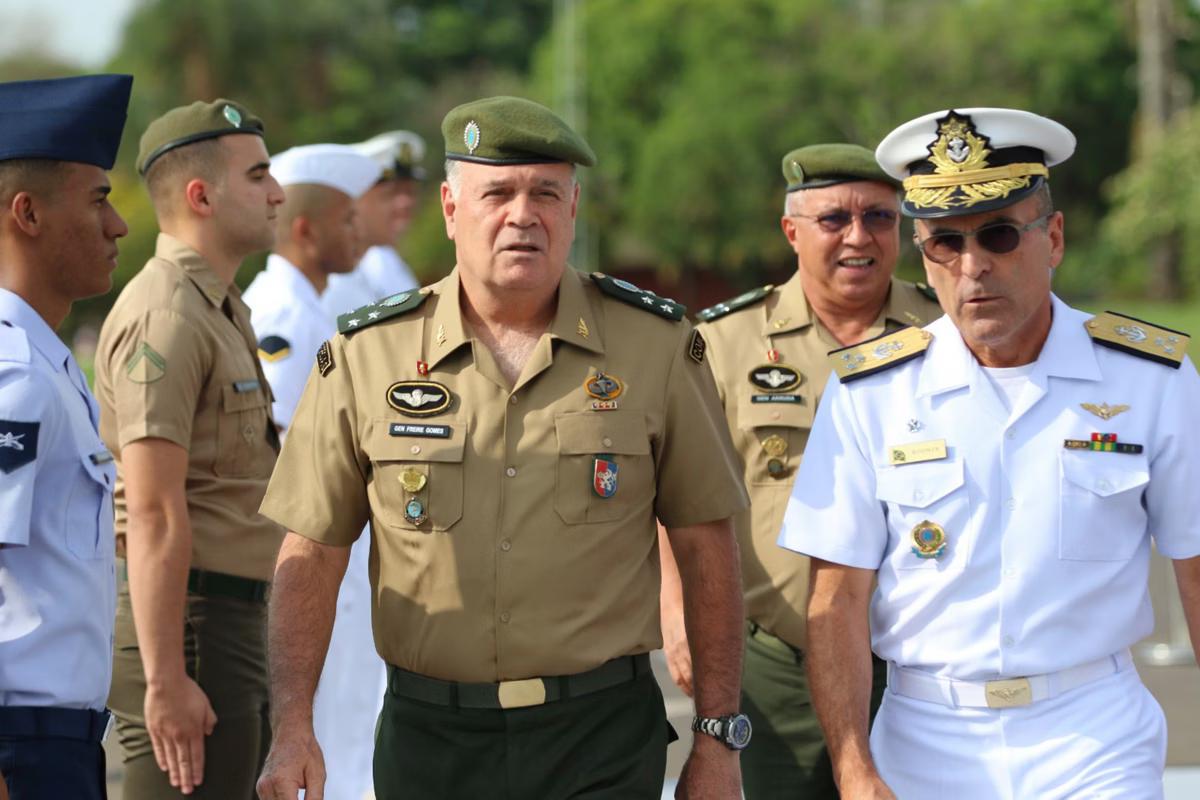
(85, 32)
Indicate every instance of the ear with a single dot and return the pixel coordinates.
(25, 214)
(575, 200)
(789, 229)
(197, 193)
(301, 231)
(1054, 227)
(449, 206)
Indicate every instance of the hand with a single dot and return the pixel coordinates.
(712, 772)
(865, 787)
(294, 763)
(178, 717)
(676, 649)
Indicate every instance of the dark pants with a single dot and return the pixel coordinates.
(787, 757)
(225, 652)
(52, 767)
(608, 745)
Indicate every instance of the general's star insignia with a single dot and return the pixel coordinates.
(1104, 410)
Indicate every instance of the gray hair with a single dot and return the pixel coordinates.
(454, 179)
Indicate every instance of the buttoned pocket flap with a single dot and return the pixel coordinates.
(918, 485)
(612, 432)
(1105, 474)
(391, 440)
(232, 400)
(766, 415)
(100, 467)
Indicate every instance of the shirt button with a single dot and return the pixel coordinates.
(1009, 641)
(1011, 503)
(918, 494)
(505, 616)
(416, 448)
(774, 415)
(607, 442)
(1010, 435)
(513, 399)
(511, 472)
(248, 432)
(505, 545)
(1103, 486)
(1009, 572)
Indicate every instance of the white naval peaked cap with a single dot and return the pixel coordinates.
(963, 161)
(336, 166)
(398, 152)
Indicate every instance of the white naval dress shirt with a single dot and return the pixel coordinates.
(1048, 548)
(285, 304)
(57, 576)
(380, 273)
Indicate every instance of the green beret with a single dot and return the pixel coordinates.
(194, 123)
(827, 164)
(512, 130)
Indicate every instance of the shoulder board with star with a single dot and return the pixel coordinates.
(386, 308)
(1138, 338)
(741, 301)
(641, 298)
(882, 352)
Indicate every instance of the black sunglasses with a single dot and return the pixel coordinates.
(998, 238)
(876, 220)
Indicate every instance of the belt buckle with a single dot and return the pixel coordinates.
(521, 694)
(1011, 693)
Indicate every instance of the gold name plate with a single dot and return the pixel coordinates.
(916, 452)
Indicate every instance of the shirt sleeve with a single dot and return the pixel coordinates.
(699, 474)
(286, 369)
(319, 487)
(29, 416)
(1172, 502)
(833, 513)
(158, 365)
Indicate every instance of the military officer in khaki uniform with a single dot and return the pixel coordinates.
(186, 409)
(768, 352)
(510, 433)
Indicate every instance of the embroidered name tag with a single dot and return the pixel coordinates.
(916, 452)
(429, 431)
(796, 399)
(241, 387)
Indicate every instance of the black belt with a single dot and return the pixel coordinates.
(216, 584)
(43, 722)
(516, 694)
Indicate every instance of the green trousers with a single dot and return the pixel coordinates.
(225, 651)
(787, 757)
(608, 745)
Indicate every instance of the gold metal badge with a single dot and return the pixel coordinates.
(1008, 694)
(775, 446)
(412, 479)
(441, 334)
(916, 452)
(582, 328)
(1104, 410)
(929, 540)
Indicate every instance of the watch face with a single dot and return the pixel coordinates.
(739, 731)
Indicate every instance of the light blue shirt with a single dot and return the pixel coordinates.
(57, 577)
(1047, 547)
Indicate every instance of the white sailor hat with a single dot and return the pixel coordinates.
(972, 160)
(337, 166)
(400, 153)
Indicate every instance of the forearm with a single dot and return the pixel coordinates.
(303, 604)
(1187, 575)
(670, 598)
(710, 574)
(838, 655)
(159, 553)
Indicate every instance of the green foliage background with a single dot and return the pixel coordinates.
(690, 105)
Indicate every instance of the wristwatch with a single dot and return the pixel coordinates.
(731, 730)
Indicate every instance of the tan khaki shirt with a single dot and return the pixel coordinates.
(177, 360)
(521, 568)
(776, 580)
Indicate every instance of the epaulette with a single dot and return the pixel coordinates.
(14, 343)
(1138, 338)
(386, 308)
(882, 352)
(927, 290)
(729, 306)
(643, 299)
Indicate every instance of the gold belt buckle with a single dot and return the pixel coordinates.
(1008, 694)
(520, 694)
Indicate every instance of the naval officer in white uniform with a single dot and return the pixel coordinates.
(58, 244)
(1001, 474)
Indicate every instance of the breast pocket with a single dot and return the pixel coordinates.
(1101, 516)
(417, 481)
(917, 495)
(90, 507)
(605, 468)
(242, 439)
(780, 432)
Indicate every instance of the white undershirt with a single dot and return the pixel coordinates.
(1010, 382)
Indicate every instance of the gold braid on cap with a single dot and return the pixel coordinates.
(961, 175)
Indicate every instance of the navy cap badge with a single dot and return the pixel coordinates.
(929, 540)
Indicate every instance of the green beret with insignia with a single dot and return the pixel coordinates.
(194, 123)
(821, 165)
(512, 130)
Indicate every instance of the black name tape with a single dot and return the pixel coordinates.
(797, 399)
(409, 429)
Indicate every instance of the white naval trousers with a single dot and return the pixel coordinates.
(1106, 739)
(350, 693)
